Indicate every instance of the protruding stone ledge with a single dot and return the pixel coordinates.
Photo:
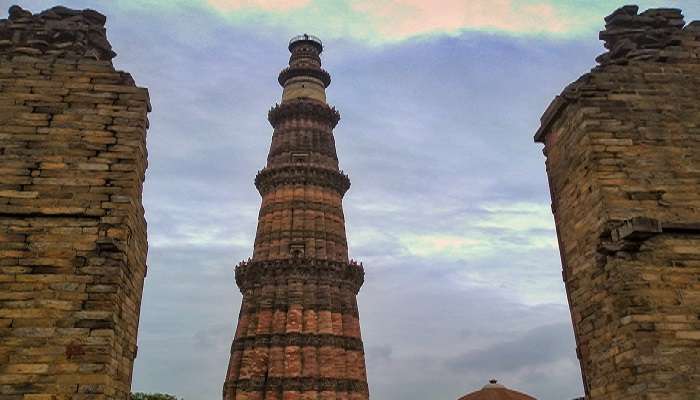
(254, 273)
(303, 108)
(629, 235)
(295, 174)
(314, 72)
(56, 32)
(635, 229)
(552, 112)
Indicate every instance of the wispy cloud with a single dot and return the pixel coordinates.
(501, 228)
(381, 21)
(406, 18)
(265, 5)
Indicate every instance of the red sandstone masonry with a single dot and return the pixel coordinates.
(623, 159)
(298, 334)
(72, 231)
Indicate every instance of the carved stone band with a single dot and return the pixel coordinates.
(314, 72)
(293, 174)
(302, 108)
(255, 273)
(298, 384)
(317, 305)
(301, 205)
(297, 339)
(301, 234)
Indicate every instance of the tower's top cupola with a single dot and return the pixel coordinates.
(304, 77)
(307, 40)
(306, 51)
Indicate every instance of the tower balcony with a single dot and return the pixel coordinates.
(303, 108)
(305, 39)
(295, 174)
(304, 70)
(251, 273)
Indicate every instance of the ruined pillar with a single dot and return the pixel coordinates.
(72, 229)
(298, 334)
(623, 159)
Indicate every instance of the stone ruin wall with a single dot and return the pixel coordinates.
(72, 229)
(623, 158)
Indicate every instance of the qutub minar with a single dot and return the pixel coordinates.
(622, 148)
(298, 334)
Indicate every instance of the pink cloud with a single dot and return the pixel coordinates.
(265, 5)
(404, 18)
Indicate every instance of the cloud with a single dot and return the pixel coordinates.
(412, 344)
(379, 354)
(541, 345)
(266, 5)
(386, 21)
(512, 227)
(379, 21)
(542, 353)
(407, 18)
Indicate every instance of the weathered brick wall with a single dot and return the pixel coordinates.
(72, 229)
(623, 159)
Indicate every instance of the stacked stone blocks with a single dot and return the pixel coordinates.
(623, 159)
(72, 229)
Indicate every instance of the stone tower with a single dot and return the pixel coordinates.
(72, 229)
(298, 334)
(623, 159)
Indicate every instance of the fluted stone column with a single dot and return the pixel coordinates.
(298, 334)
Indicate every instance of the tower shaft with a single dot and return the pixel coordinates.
(298, 333)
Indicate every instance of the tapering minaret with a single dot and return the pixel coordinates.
(298, 334)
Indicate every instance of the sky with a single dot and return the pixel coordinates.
(449, 207)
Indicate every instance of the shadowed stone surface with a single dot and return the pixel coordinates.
(623, 160)
(72, 229)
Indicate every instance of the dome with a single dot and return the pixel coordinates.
(495, 391)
